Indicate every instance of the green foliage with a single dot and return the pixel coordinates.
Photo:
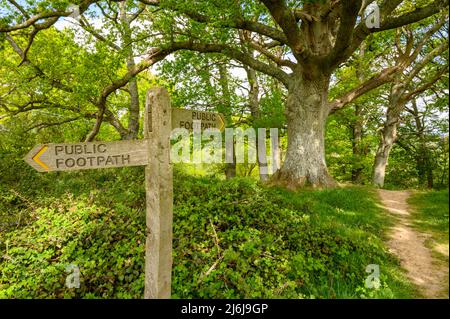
(231, 239)
(431, 216)
(431, 212)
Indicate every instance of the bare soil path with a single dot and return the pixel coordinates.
(409, 245)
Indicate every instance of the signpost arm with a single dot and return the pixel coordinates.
(159, 195)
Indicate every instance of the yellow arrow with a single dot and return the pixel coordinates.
(38, 154)
(223, 122)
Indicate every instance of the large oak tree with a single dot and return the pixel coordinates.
(316, 37)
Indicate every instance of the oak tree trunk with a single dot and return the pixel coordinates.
(306, 112)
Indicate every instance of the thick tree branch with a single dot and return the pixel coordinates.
(386, 8)
(286, 19)
(238, 23)
(413, 16)
(306, 17)
(268, 54)
(235, 54)
(374, 82)
(430, 83)
(348, 14)
(52, 15)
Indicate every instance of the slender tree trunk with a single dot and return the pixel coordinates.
(424, 168)
(358, 127)
(230, 168)
(357, 150)
(421, 169)
(306, 112)
(253, 99)
(134, 111)
(133, 120)
(388, 135)
(430, 179)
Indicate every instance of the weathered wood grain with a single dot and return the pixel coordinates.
(159, 189)
(78, 156)
(182, 118)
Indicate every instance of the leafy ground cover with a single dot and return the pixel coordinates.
(232, 239)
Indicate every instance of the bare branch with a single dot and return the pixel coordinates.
(52, 16)
(239, 23)
(155, 56)
(28, 23)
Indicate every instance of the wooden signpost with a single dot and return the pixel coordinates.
(159, 196)
(66, 157)
(152, 152)
(182, 118)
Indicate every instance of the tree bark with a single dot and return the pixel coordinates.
(358, 126)
(424, 168)
(133, 119)
(307, 110)
(133, 115)
(357, 150)
(253, 100)
(388, 134)
(230, 168)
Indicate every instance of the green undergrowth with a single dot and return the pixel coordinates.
(232, 239)
(430, 215)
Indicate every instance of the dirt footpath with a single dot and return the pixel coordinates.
(409, 245)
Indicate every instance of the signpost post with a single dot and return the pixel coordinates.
(159, 193)
(152, 152)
